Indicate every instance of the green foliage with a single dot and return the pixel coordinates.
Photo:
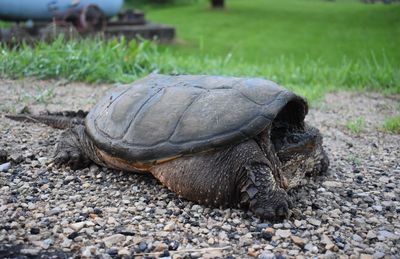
(83, 60)
(97, 60)
(4, 24)
(340, 43)
(392, 124)
(356, 126)
(259, 31)
(44, 95)
(309, 46)
(354, 160)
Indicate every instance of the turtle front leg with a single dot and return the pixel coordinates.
(237, 176)
(262, 195)
(73, 148)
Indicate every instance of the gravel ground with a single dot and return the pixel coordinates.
(351, 212)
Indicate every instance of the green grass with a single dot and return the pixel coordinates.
(344, 43)
(356, 126)
(4, 24)
(89, 60)
(309, 46)
(392, 124)
(261, 31)
(97, 60)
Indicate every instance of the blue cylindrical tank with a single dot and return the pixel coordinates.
(44, 10)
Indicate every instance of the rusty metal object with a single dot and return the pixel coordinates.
(91, 19)
(80, 18)
(46, 10)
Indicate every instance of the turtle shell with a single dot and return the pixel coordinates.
(164, 116)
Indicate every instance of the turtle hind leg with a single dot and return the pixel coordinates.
(72, 148)
(262, 195)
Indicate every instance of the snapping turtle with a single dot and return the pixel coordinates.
(219, 141)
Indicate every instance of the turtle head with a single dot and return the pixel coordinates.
(300, 152)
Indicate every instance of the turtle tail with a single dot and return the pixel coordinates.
(58, 120)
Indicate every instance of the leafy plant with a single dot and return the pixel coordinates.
(356, 126)
(44, 95)
(392, 124)
(355, 160)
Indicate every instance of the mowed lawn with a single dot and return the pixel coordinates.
(258, 31)
(309, 46)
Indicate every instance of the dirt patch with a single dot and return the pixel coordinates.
(353, 210)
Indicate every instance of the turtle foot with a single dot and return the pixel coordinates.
(263, 196)
(276, 209)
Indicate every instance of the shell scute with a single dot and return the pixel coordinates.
(164, 116)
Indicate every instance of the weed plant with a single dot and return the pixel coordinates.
(356, 126)
(392, 124)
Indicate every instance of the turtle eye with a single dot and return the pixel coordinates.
(293, 139)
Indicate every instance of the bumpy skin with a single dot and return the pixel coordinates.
(238, 176)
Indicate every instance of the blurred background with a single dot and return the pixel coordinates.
(311, 46)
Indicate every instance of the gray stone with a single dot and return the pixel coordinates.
(384, 234)
(170, 227)
(30, 251)
(88, 252)
(77, 226)
(332, 184)
(308, 246)
(314, 222)
(66, 242)
(47, 243)
(42, 160)
(283, 233)
(297, 223)
(371, 234)
(377, 208)
(378, 255)
(357, 238)
(297, 240)
(5, 167)
(124, 252)
(261, 226)
(266, 255)
(55, 211)
(114, 239)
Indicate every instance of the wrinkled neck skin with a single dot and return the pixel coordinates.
(264, 142)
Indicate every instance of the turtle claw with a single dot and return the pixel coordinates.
(275, 209)
(71, 158)
(61, 158)
(263, 196)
